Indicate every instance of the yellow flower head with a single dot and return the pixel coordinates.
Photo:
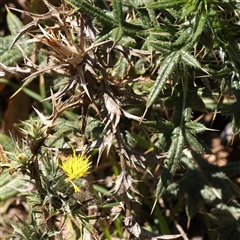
(75, 167)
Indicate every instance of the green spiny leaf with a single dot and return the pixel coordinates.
(117, 11)
(198, 28)
(195, 127)
(171, 162)
(184, 38)
(168, 66)
(196, 143)
(162, 46)
(164, 142)
(164, 4)
(94, 12)
(135, 30)
(160, 127)
(170, 17)
(188, 10)
(189, 59)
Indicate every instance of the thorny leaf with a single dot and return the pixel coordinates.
(58, 107)
(18, 71)
(51, 67)
(123, 184)
(134, 159)
(44, 120)
(54, 12)
(106, 142)
(115, 111)
(72, 82)
(136, 230)
(81, 79)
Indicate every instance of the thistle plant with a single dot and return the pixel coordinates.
(56, 183)
(126, 81)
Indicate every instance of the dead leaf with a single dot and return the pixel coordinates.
(123, 184)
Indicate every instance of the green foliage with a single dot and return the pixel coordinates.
(206, 183)
(6, 142)
(10, 186)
